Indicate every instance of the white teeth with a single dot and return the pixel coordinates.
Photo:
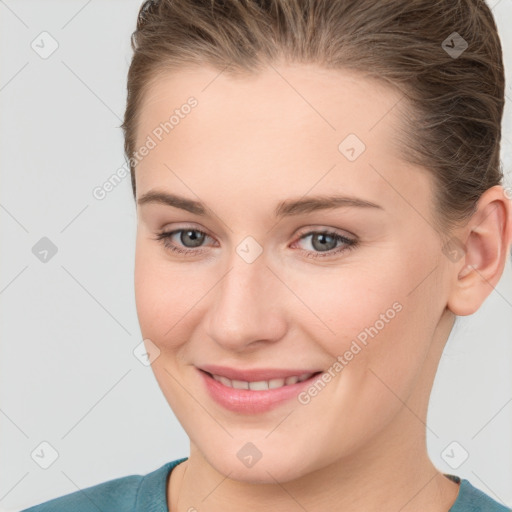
(258, 386)
(223, 380)
(262, 384)
(240, 384)
(276, 383)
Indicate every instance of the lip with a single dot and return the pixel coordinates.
(256, 374)
(246, 401)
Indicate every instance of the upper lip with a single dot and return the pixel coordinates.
(255, 374)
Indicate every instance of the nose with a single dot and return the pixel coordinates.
(245, 308)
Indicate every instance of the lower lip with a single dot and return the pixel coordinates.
(252, 402)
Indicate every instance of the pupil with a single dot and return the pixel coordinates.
(322, 245)
(193, 236)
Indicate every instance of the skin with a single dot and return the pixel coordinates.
(250, 143)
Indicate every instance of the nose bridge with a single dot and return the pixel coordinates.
(243, 308)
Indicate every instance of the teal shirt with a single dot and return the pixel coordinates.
(147, 493)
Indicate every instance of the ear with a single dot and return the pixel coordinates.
(484, 246)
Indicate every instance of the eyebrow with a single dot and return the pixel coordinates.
(284, 208)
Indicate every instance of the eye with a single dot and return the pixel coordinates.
(326, 242)
(190, 237)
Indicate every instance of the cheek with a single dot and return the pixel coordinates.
(374, 316)
(165, 295)
(356, 302)
(361, 308)
(155, 295)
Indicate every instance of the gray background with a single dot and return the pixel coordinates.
(68, 375)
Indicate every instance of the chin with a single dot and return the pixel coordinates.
(263, 473)
(278, 467)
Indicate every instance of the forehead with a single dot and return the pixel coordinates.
(288, 126)
(328, 100)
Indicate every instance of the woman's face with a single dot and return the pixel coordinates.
(268, 285)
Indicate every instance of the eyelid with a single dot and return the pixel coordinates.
(168, 233)
(325, 229)
(190, 227)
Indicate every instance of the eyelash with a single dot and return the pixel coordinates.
(351, 244)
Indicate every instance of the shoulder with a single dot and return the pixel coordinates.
(471, 499)
(124, 494)
(111, 495)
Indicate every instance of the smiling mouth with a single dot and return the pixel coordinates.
(262, 385)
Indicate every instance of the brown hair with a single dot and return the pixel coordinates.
(454, 101)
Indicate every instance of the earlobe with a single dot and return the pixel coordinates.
(487, 237)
